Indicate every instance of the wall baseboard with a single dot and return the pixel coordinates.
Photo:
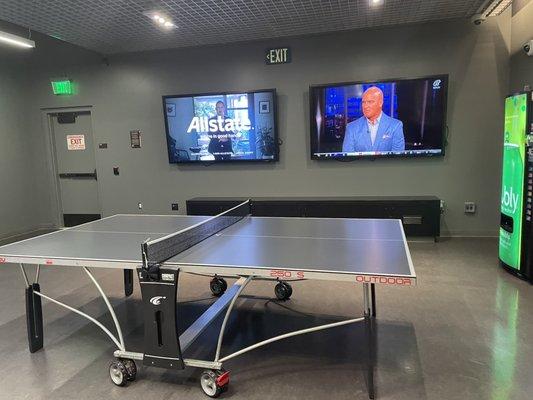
(472, 234)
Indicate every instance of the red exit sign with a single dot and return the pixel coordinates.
(76, 142)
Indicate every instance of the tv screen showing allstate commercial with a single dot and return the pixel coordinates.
(221, 127)
(387, 118)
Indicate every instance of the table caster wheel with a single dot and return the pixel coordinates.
(214, 383)
(218, 286)
(283, 291)
(118, 373)
(131, 369)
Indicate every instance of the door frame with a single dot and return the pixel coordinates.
(46, 117)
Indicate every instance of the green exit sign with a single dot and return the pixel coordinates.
(62, 86)
(281, 55)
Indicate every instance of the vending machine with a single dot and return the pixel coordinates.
(516, 236)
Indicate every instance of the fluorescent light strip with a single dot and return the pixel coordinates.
(16, 40)
(497, 7)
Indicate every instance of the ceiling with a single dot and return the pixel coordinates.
(114, 26)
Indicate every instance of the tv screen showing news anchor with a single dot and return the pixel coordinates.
(221, 127)
(379, 119)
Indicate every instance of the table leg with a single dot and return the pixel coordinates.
(370, 326)
(34, 314)
(373, 298)
(369, 301)
(128, 282)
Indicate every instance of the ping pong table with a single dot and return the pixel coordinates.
(232, 244)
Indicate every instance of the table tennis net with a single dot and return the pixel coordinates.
(160, 250)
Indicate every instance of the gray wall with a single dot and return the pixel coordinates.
(126, 95)
(521, 32)
(25, 203)
(17, 208)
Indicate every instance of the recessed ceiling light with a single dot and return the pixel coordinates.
(161, 20)
(376, 2)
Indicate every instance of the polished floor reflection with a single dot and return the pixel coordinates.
(465, 332)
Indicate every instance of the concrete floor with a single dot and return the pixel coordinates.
(465, 332)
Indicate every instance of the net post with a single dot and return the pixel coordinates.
(148, 271)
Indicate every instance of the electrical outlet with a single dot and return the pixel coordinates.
(174, 206)
(470, 207)
(140, 206)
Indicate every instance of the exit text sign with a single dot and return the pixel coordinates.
(280, 55)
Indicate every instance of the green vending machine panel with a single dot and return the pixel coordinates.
(513, 181)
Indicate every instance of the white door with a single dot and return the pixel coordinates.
(76, 166)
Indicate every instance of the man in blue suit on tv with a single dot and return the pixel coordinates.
(375, 131)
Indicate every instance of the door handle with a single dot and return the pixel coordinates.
(79, 175)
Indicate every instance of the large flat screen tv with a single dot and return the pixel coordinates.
(221, 127)
(388, 118)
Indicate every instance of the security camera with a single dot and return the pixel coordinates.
(477, 19)
(528, 48)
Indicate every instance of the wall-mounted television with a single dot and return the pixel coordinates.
(387, 118)
(222, 127)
